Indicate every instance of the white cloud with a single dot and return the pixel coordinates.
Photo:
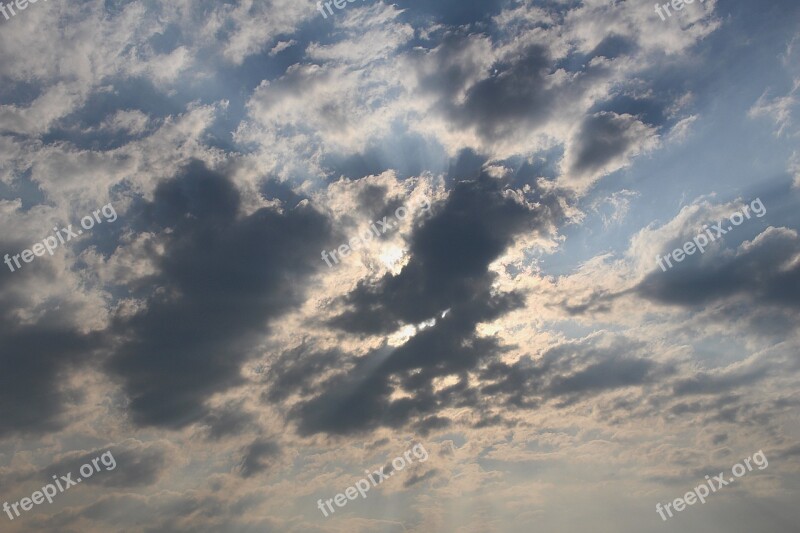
(779, 109)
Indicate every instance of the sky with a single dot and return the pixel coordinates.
(536, 262)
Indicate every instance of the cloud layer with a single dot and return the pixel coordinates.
(520, 328)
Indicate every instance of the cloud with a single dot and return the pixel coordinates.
(448, 285)
(478, 222)
(604, 143)
(765, 271)
(229, 420)
(257, 457)
(779, 109)
(521, 326)
(794, 169)
(37, 357)
(573, 372)
(446, 279)
(138, 464)
(222, 276)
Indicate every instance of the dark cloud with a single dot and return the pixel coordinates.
(613, 46)
(446, 279)
(294, 370)
(493, 420)
(765, 271)
(371, 195)
(602, 138)
(650, 109)
(598, 301)
(467, 165)
(414, 479)
(130, 464)
(228, 420)
(446, 70)
(450, 256)
(36, 357)
(432, 423)
(34, 360)
(139, 466)
(608, 374)
(380, 443)
(719, 438)
(514, 95)
(571, 372)
(257, 457)
(375, 201)
(714, 383)
(222, 278)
